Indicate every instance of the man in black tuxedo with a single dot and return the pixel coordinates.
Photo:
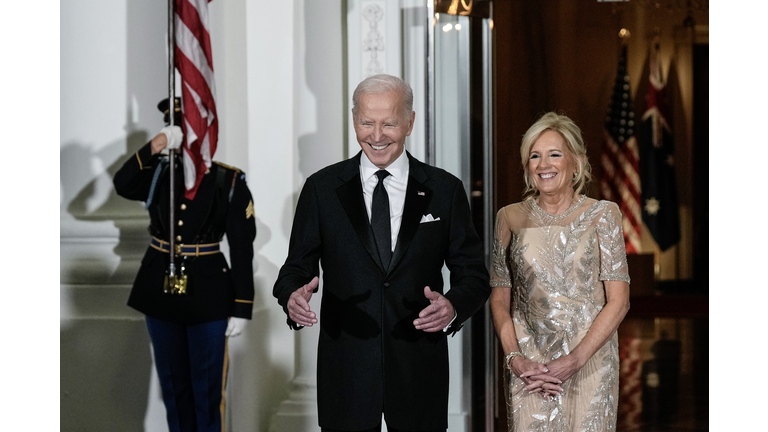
(384, 315)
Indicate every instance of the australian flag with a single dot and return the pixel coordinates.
(657, 170)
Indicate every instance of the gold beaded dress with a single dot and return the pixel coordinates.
(556, 266)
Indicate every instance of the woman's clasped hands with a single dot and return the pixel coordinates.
(537, 378)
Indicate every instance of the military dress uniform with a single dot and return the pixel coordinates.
(187, 330)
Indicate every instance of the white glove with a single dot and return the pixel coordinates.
(174, 136)
(235, 326)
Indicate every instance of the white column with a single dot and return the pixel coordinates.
(318, 140)
(113, 74)
(299, 411)
(252, 43)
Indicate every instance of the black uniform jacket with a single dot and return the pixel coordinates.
(371, 358)
(222, 205)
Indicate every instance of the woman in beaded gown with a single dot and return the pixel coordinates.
(560, 289)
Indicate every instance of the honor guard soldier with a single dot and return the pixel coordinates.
(190, 317)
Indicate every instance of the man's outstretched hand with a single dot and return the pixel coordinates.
(298, 304)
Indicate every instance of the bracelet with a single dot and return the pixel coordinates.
(511, 356)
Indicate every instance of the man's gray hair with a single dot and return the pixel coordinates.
(383, 83)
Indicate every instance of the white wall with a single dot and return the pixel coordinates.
(280, 76)
(112, 69)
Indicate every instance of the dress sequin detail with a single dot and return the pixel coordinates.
(543, 213)
(555, 266)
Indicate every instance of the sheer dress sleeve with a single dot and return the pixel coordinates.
(613, 253)
(500, 273)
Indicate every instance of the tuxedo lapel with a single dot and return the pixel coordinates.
(417, 198)
(350, 195)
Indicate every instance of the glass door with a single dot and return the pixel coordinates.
(459, 140)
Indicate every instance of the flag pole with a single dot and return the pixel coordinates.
(171, 285)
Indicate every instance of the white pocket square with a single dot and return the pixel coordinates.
(428, 218)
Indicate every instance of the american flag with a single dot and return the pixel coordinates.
(194, 61)
(660, 212)
(621, 180)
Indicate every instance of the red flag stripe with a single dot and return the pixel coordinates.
(629, 207)
(629, 169)
(194, 171)
(621, 165)
(194, 61)
(630, 210)
(189, 46)
(201, 148)
(192, 78)
(194, 165)
(621, 183)
(198, 153)
(204, 113)
(193, 41)
(189, 13)
(195, 122)
(620, 159)
(197, 79)
(204, 107)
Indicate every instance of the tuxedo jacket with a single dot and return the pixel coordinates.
(371, 358)
(222, 205)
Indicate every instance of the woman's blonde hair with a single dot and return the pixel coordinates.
(574, 144)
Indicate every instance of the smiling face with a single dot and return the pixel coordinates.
(381, 126)
(551, 166)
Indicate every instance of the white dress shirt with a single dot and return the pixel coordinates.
(395, 184)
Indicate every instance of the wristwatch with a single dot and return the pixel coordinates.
(511, 356)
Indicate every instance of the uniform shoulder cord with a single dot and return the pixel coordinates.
(158, 170)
